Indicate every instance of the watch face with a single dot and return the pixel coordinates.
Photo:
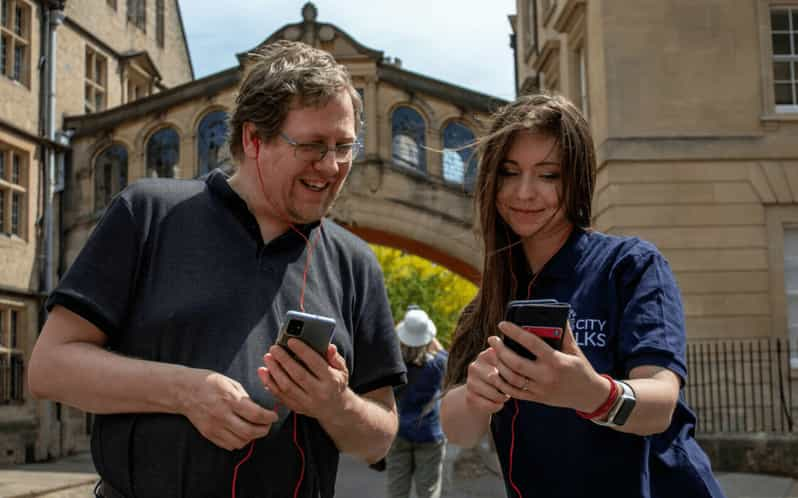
(627, 404)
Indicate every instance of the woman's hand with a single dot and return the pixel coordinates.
(484, 386)
(565, 379)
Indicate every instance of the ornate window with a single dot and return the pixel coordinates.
(12, 359)
(408, 132)
(110, 174)
(13, 191)
(212, 150)
(15, 29)
(163, 153)
(459, 162)
(784, 35)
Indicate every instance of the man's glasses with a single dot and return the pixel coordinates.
(316, 152)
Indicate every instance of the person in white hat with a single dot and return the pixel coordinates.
(418, 450)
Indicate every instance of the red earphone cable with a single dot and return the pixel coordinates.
(515, 401)
(310, 246)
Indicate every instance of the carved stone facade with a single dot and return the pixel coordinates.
(696, 141)
(102, 59)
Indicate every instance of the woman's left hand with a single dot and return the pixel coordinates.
(565, 379)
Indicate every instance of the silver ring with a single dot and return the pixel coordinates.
(526, 384)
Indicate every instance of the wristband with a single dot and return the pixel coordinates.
(604, 407)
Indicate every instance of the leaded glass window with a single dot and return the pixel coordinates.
(212, 149)
(110, 174)
(409, 141)
(163, 153)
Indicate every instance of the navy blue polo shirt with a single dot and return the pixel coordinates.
(176, 271)
(626, 312)
(418, 402)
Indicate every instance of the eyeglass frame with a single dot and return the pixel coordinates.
(321, 149)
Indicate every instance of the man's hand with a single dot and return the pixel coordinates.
(315, 389)
(222, 411)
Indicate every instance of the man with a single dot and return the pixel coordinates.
(162, 322)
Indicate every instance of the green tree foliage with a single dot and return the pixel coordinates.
(411, 279)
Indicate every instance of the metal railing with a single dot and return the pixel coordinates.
(741, 385)
(12, 377)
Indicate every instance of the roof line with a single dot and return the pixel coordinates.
(185, 40)
(88, 124)
(446, 91)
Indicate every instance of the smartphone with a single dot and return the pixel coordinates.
(314, 330)
(546, 318)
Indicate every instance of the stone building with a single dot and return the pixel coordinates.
(694, 109)
(140, 113)
(59, 59)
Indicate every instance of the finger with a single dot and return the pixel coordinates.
(486, 381)
(306, 381)
(245, 430)
(485, 404)
(335, 359)
(569, 344)
(254, 413)
(488, 357)
(284, 398)
(527, 339)
(487, 391)
(510, 359)
(315, 363)
(513, 378)
(282, 380)
(225, 438)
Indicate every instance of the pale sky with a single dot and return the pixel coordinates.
(464, 42)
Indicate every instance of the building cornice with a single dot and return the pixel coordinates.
(90, 124)
(462, 97)
(26, 135)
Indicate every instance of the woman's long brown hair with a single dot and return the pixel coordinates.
(548, 115)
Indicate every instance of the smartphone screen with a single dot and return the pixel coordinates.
(546, 318)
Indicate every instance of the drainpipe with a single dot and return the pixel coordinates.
(50, 428)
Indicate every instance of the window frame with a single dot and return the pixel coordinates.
(95, 85)
(770, 111)
(137, 13)
(12, 352)
(16, 44)
(467, 165)
(160, 23)
(123, 172)
(14, 192)
(422, 164)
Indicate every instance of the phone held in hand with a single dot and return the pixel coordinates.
(546, 318)
(314, 330)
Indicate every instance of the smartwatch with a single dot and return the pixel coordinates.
(623, 407)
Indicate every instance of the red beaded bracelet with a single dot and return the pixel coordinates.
(605, 407)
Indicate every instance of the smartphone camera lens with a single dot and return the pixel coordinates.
(294, 328)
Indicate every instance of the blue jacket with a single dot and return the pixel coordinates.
(422, 391)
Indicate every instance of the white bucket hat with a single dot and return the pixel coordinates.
(416, 329)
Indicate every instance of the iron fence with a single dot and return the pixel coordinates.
(741, 385)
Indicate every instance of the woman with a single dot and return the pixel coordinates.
(418, 450)
(604, 416)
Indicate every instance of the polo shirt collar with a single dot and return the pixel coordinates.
(563, 263)
(217, 182)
